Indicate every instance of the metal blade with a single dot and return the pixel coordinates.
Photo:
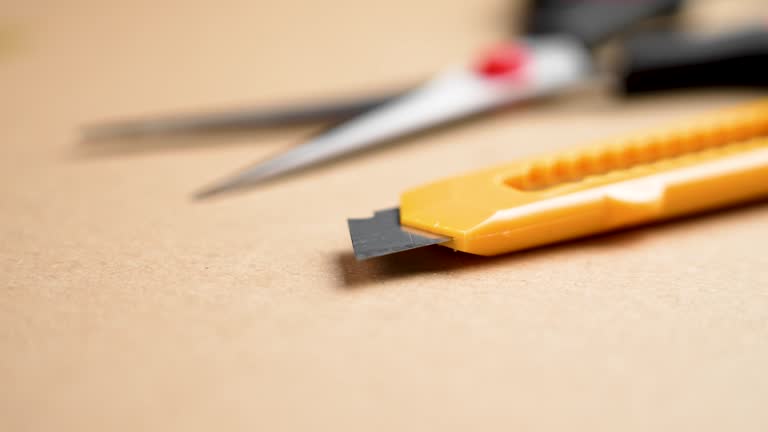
(236, 119)
(555, 63)
(383, 235)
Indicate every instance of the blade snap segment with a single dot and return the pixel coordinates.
(383, 235)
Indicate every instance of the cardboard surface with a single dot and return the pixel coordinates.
(125, 305)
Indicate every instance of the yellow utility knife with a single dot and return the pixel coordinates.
(715, 161)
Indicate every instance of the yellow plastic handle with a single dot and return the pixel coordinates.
(720, 160)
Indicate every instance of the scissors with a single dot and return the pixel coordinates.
(556, 54)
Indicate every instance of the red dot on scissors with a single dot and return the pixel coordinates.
(503, 60)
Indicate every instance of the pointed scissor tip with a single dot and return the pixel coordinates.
(263, 172)
(239, 181)
(92, 134)
(216, 189)
(115, 131)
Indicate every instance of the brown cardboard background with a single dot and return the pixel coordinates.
(124, 305)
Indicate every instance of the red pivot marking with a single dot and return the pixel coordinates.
(502, 61)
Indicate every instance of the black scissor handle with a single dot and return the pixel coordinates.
(594, 21)
(671, 60)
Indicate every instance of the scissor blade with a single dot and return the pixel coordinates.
(235, 119)
(552, 64)
(449, 96)
(383, 235)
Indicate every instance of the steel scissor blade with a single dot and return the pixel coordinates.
(234, 119)
(551, 64)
